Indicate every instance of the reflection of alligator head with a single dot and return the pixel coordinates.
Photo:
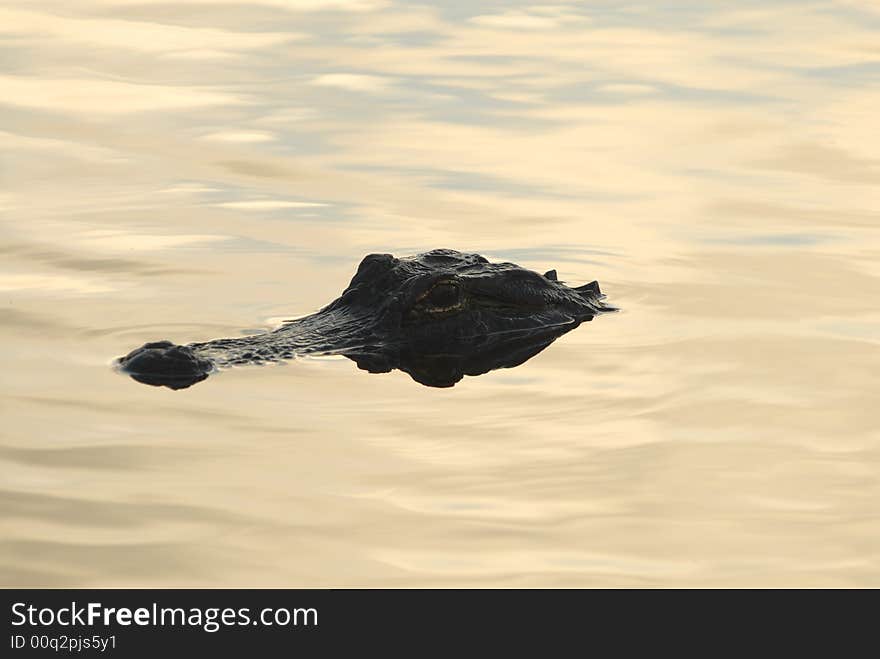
(437, 316)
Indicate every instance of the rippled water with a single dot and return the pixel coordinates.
(200, 169)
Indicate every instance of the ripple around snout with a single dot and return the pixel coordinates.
(184, 331)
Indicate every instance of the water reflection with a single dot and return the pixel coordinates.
(444, 364)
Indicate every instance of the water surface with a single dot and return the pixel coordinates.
(200, 169)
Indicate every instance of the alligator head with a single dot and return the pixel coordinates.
(437, 315)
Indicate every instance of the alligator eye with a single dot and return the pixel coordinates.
(443, 296)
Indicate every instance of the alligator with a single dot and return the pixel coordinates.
(437, 316)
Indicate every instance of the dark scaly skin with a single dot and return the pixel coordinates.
(438, 316)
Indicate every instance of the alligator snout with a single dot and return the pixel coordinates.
(165, 363)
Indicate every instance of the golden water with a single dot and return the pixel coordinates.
(193, 170)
